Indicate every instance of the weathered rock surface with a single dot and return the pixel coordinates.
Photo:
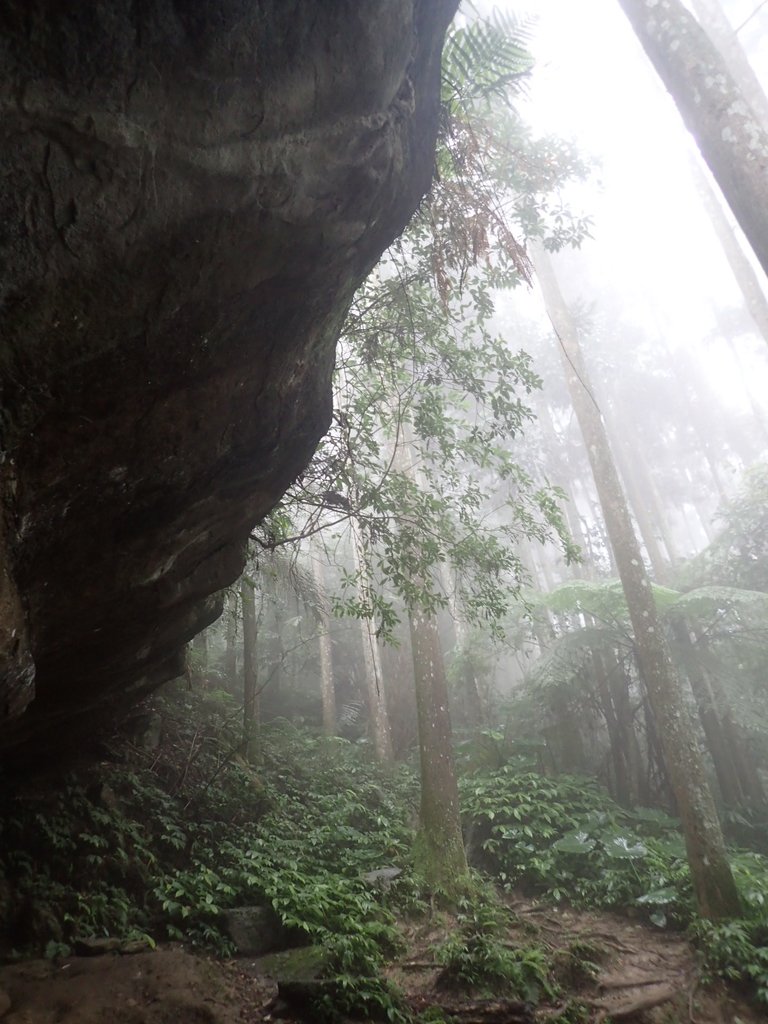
(254, 930)
(190, 193)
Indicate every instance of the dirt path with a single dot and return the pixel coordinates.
(642, 975)
(167, 986)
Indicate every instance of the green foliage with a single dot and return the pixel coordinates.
(421, 359)
(738, 556)
(484, 60)
(491, 749)
(127, 857)
(587, 674)
(475, 957)
(565, 838)
(736, 951)
(603, 599)
(578, 965)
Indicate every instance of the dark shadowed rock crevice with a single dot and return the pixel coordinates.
(190, 194)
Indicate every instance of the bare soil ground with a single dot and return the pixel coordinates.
(644, 975)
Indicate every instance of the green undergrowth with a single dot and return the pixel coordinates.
(155, 844)
(159, 844)
(563, 839)
(477, 958)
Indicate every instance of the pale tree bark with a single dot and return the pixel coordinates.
(743, 271)
(729, 133)
(374, 677)
(439, 854)
(552, 442)
(713, 883)
(639, 502)
(644, 486)
(327, 682)
(715, 23)
(250, 695)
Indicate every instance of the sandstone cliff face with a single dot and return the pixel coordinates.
(190, 193)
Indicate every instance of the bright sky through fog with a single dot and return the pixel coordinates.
(652, 243)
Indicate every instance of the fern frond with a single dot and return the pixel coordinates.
(708, 601)
(487, 59)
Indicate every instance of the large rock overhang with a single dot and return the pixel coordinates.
(190, 194)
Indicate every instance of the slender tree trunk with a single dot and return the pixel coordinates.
(729, 133)
(725, 767)
(440, 854)
(657, 766)
(200, 647)
(640, 504)
(327, 682)
(751, 785)
(565, 741)
(622, 700)
(715, 890)
(581, 570)
(616, 737)
(250, 696)
(471, 695)
(737, 776)
(230, 649)
(374, 677)
(741, 267)
(552, 442)
(645, 485)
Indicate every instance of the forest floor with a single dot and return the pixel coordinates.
(640, 974)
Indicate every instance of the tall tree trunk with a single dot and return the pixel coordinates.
(741, 267)
(471, 696)
(250, 696)
(440, 854)
(646, 485)
(622, 776)
(729, 133)
(715, 23)
(620, 681)
(725, 767)
(374, 677)
(200, 647)
(640, 505)
(552, 443)
(752, 789)
(737, 775)
(230, 649)
(713, 883)
(327, 682)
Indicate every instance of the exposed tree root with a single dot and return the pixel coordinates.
(622, 1011)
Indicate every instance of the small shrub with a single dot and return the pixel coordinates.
(475, 957)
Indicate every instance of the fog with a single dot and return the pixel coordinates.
(453, 494)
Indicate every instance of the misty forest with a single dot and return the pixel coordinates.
(384, 536)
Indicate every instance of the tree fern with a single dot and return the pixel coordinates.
(486, 59)
(561, 663)
(706, 602)
(603, 599)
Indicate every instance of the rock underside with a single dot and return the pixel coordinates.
(190, 193)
